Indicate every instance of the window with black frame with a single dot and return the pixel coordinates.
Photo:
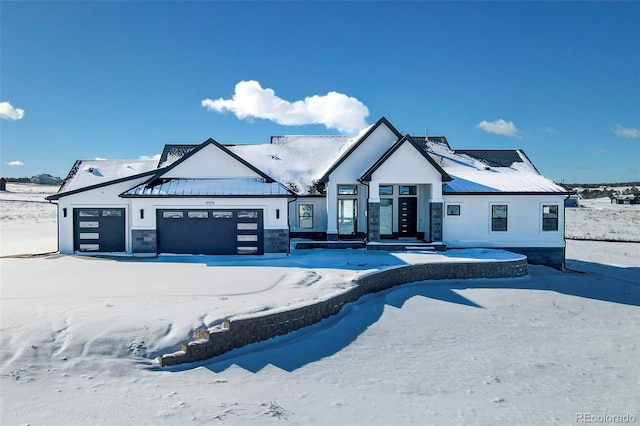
(550, 217)
(499, 217)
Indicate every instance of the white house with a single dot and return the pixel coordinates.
(251, 199)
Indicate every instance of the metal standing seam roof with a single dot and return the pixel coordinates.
(505, 183)
(215, 187)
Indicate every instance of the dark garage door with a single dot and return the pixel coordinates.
(98, 230)
(195, 231)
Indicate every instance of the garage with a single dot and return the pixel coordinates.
(99, 230)
(199, 231)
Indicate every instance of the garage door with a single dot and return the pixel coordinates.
(210, 231)
(99, 230)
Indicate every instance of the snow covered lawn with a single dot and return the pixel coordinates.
(78, 336)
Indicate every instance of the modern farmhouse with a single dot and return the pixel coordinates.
(379, 186)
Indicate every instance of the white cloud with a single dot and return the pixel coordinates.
(626, 133)
(16, 163)
(8, 112)
(146, 157)
(334, 110)
(100, 158)
(500, 127)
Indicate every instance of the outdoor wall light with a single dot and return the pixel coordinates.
(141, 213)
(64, 212)
(277, 213)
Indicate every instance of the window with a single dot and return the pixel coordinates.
(305, 216)
(499, 217)
(198, 214)
(550, 217)
(217, 214)
(453, 209)
(347, 216)
(247, 226)
(89, 213)
(385, 190)
(408, 190)
(386, 216)
(347, 190)
(172, 215)
(251, 214)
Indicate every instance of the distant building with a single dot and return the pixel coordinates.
(572, 201)
(625, 199)
(46, 179)
(3, 184)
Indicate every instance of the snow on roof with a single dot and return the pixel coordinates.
(173, 152)
(209, 187)
(475, 171)
(295, 161)
(94, 172)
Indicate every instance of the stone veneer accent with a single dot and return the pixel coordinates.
(374, 221)
(547, 256)
(435, 222)
(144, 241)
(276, 241)
(239, 332)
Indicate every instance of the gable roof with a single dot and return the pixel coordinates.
(206, 143)
(366, 177)
(64, 193)
(382, 120)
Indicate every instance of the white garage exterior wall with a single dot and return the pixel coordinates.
(524, 221)
(102, 197)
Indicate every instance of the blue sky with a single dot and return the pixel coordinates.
(85, 80)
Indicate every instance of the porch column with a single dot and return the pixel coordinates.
(373, 212)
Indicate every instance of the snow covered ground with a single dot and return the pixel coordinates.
(78, 335)
(599, 219)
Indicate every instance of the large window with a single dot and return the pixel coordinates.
(498, 217)
(386, 216)
(305, 216)
(347, 216)
(550, 217)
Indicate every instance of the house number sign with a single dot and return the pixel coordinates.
(210, 203)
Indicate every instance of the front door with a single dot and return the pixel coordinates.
(408, 216)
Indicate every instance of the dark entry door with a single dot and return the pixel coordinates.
(98, 230)
(210, 231)
(407, 216)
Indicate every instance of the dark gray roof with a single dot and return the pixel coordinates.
(174, 152)
(442, 140)
(493, 157)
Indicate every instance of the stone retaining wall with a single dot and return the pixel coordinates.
(239, 332)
